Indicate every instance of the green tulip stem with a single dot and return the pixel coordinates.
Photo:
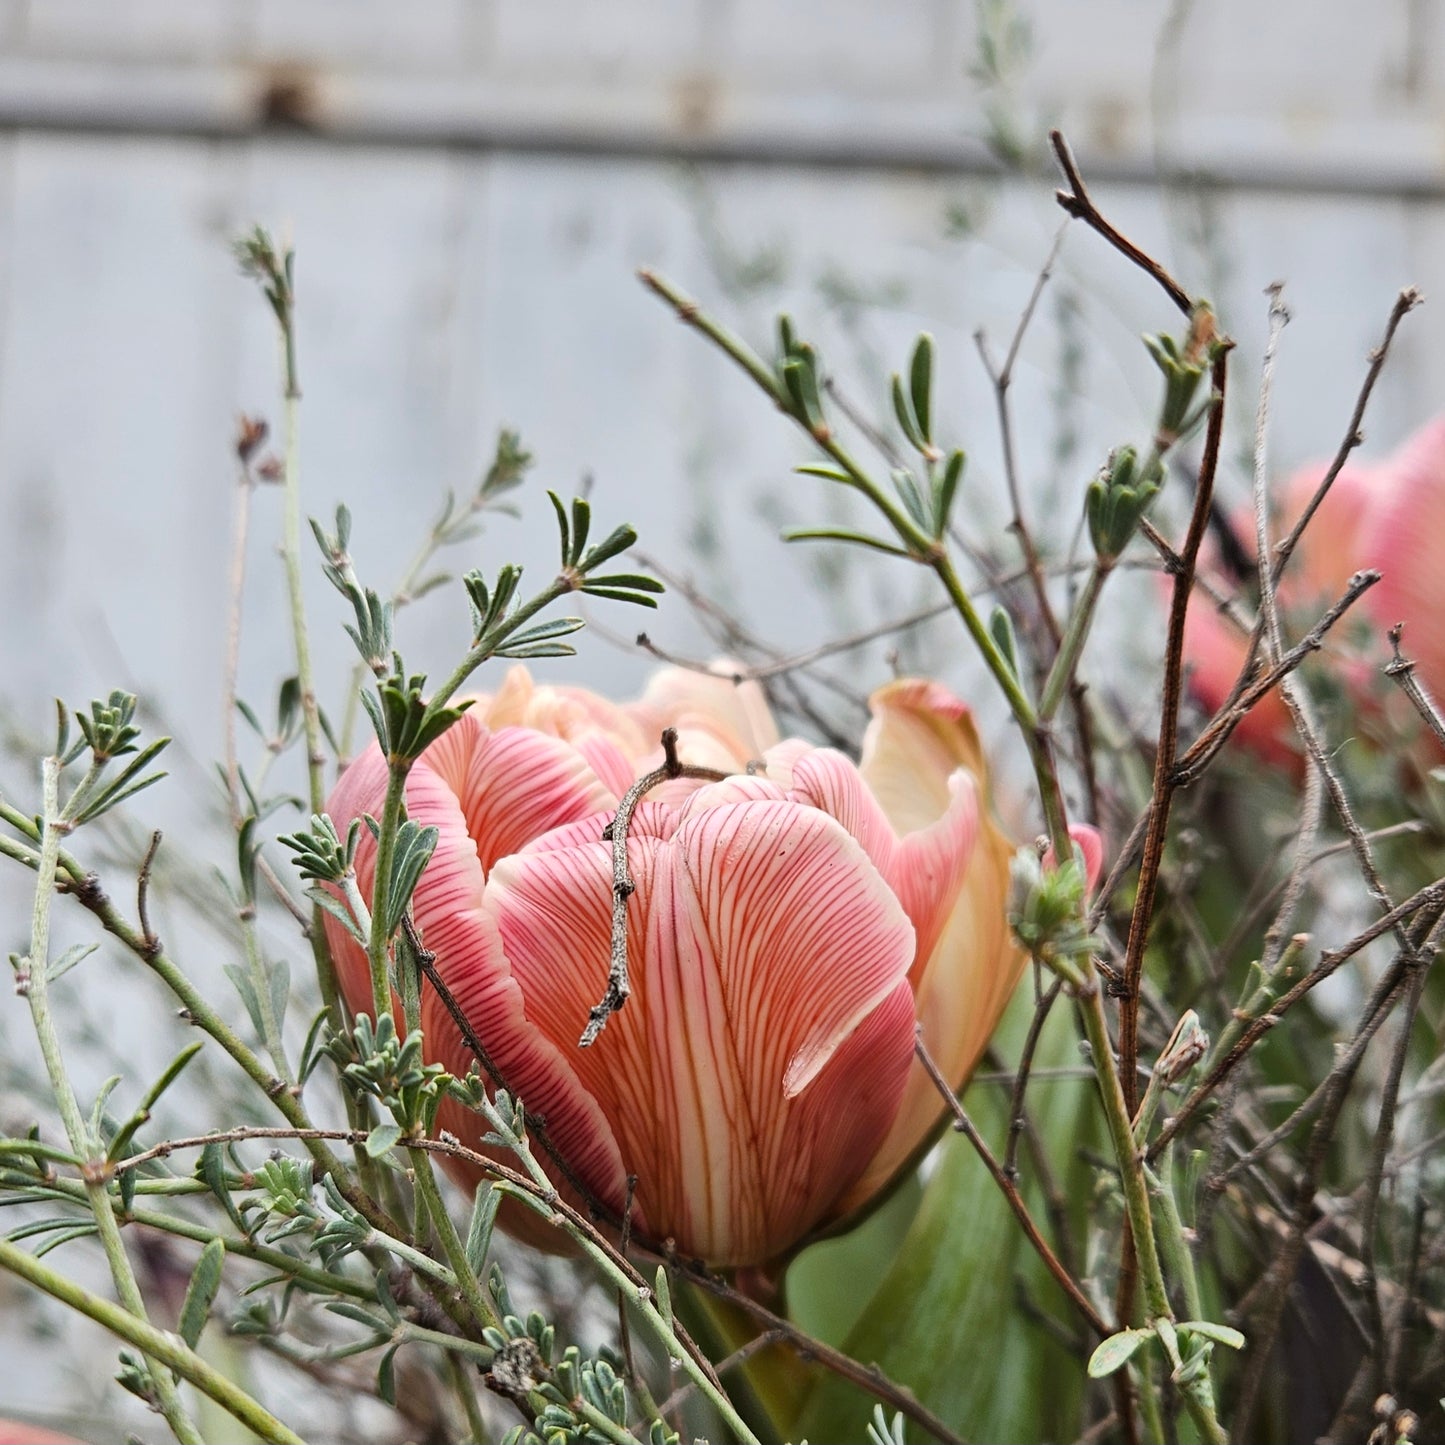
(166, 1349)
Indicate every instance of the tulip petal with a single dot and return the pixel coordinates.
(515, 784)
(1403, 541)
(720, 723)
(1090, 844)
(453, 924)
(762, 943)
(611, 741)
(924, 868)
(1215, 651)
(920, 735)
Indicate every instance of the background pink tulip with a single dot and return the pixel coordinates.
(788, 930)
(1387, 515)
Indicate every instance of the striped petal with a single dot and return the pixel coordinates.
(453, 923)
(920, 736)
(720, 723)
(925, 868)
(767, 1041)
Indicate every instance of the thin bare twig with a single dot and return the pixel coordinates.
(622, 885)
(1009, 1187)
(1001, 377)
(1402, 671)
(1409, 298)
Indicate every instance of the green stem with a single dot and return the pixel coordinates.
(291, 552)
(1121, 1135)
(378, 946)
(454, 1345)
(278, 1259)
(156, 1344)
(1071, 648)
(305, 678)
(452, 1247)
(76, 1130)
(486, 647)
(461, 1383)
(660, 1328)
(608, 1428)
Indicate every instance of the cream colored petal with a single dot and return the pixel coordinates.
(920, 735)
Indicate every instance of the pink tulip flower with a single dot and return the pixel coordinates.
(1387, 515)
(789, 929)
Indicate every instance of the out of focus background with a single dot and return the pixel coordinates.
(470, 186)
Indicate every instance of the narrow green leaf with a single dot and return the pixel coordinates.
(545, 631)
(360, 1316)
(821, 469)
(905, 416)
(945, 489)
(382, 1138)
(311, 1052)
(663, 1290)
(617, 594)
(211, 1170)
(1220, 1334)
(97, 1113)
(615, 543)
(479, 1230)
(1113, 1353)
(628, 582)
(59, 967)
(538, 649)
(920, 385)
(839, 534)
(1001, 629)
(581, 525)
(279, 980)
(242, 981)
(338, 910)
(386, 1376)
(564, 528)
(906, 485)
(78, 1231)
(201, 1292)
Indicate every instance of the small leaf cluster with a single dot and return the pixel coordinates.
(798, 385)
(412, 852)
(372, 631)
(914, 409)
(1045, 909)
(525, 1365)
(1188, 1344)
(456, 524)
(258, 258)
(377, 1063)
(108, 731)
(1118, 498)
(288, 1200)
(320, 852)
(1183, 367)
(494, 620)
(927, 503)
(580, 562)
